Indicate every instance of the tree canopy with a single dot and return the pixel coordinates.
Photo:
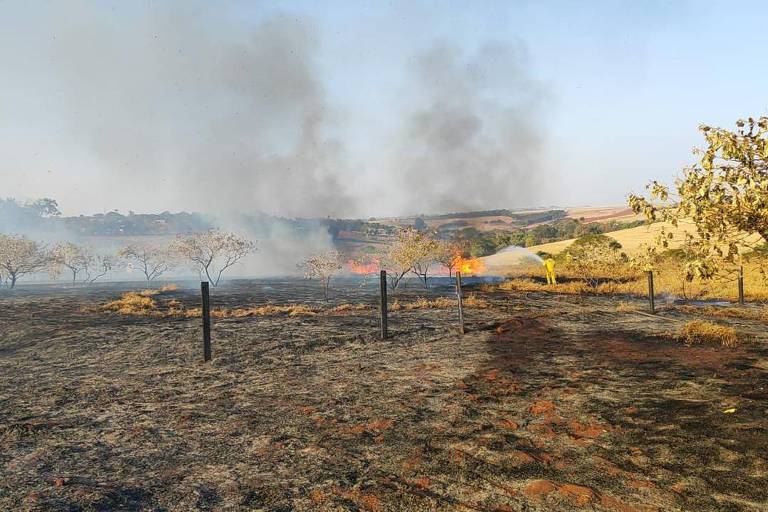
(724, 194)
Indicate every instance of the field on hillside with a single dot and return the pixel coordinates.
(632, 241)
(548, 403)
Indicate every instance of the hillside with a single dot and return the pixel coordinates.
(631, 240)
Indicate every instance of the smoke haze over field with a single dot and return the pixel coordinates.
(363, 108)
(182, 105)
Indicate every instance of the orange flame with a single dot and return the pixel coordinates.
(468, 266)
(360, 267)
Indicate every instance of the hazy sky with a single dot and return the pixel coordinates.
(365, 108)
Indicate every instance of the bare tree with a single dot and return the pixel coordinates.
(20, 256)
(76, 259)
(322, 266)
(99, 266)
(214, 251)
(152, 261)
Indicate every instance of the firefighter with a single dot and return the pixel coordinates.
(549, 267)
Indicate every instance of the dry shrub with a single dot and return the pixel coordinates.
(473, 301)
(701, 331)
(344, 308)
(132, 303)
(422, 303)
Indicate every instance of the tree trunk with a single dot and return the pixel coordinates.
(13, 281)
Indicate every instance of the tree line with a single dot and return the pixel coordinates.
(210, 253)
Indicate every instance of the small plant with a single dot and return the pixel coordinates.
(701, 331)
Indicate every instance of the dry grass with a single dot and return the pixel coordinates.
(133, 303)
(627, 307)
(667, 281)
(141, 303)
(701, 331)
(144, 303)
(349, 308)
(760, 314)
(473, 301)
(422, 303)
(470, 301)
(316, 413)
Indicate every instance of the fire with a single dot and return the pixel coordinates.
(469, 266)
(361, 267)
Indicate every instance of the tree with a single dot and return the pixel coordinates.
(76, 259)
(412, 251)
(593, 257)
(20, 256)
(99, 266)
(151, 260)
(322, 266)
(424, 252)
(213, 251)
(724, 194)
(448, 254)
(419, 224)
(45, 207)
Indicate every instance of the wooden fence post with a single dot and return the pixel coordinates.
(206, 321)
(383, 305)
(741, 285)
(651, 302)
(461, 305)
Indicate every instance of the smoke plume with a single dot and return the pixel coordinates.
(231, 120)
(187, 106)
(473, 141)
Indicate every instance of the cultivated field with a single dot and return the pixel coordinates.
(549, 402)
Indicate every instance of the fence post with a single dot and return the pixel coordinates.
(461, 305)
(741, 285)
(651, 303)
(383, 305)
(206, 321)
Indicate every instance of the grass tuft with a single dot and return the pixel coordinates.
(701, 331)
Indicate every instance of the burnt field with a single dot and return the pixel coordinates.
(547, 403)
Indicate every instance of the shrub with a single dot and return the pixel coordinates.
(701, 331)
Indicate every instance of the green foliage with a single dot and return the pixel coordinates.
(595, 257)
(725, 194)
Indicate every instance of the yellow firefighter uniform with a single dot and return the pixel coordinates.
(549, 266)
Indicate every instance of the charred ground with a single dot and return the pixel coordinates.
(548, 403)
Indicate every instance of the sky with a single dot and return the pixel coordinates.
(365, 108)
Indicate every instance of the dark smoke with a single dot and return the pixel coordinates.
(234, 120)
(475, 140)
(186, 106)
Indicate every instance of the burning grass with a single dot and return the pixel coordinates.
(701, 331)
